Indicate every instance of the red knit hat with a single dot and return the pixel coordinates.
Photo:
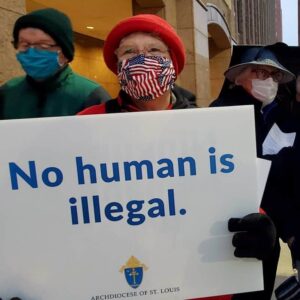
(144, 23)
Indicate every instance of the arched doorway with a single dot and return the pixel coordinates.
(219, 41)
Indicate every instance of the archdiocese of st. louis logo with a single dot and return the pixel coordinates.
(133, 271)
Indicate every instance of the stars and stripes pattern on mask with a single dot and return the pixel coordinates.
(146, 77)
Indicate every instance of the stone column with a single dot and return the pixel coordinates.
(9, 12)
(192, 27)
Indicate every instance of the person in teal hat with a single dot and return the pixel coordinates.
(44, 43)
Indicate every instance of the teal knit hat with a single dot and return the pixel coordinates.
(54, 23)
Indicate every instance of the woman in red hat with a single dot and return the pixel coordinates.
(147, 55)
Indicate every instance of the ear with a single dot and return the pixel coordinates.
(242, 76)
(62, 60)
(237, 81)
(240, 79)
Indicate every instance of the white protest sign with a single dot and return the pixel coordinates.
(126, 206)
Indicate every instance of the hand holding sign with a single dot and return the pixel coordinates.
(256, 235)
(256, 240)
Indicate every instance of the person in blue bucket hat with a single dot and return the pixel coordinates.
(256, 76)
(257, 57)
(253, 78)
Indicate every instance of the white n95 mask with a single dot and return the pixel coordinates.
(264, 90)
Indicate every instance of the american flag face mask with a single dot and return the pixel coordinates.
(146, 77)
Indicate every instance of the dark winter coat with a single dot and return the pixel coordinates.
(272, 202)
(181, 100)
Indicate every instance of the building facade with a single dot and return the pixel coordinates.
(208, 29)
(9, 12)
(258, 21)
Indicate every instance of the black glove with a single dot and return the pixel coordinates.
(256, 236)
(15, 298)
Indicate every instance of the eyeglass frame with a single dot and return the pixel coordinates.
(39, 46)
(130, 52)
(263, 74)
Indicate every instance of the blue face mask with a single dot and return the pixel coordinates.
(39, 64)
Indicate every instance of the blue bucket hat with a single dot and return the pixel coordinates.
(258, 56)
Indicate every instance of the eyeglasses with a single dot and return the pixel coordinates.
(23, 46)
(130, 52)
(263, 74)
